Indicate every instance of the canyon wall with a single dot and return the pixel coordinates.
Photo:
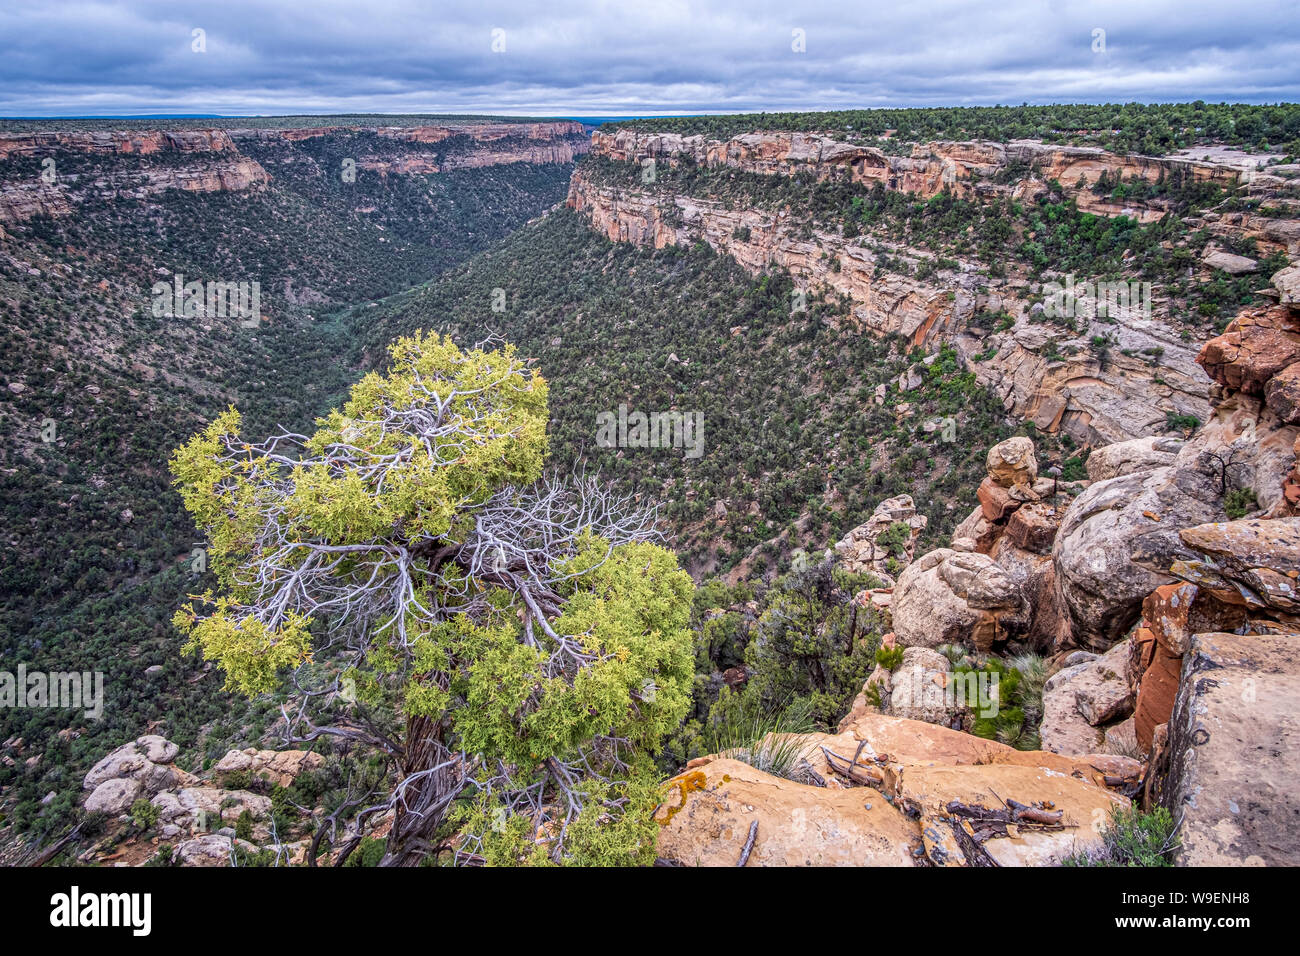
(1043, 373)
(210, 160)
(1018, 169)
(1030, 367)
(211, 163)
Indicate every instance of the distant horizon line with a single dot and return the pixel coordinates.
(649, 114)
(109, 116)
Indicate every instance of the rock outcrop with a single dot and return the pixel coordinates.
(707, 813)
(1081, 700)
(957, 597)
(965, 168)
(1231, 759)
(1129, 457)
(1114, 532)
(885, 543)
(996, 584)
(195, 816)
(915, 795)
(136, 770)
(210, 160)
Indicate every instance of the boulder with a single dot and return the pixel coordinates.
(1282, 394)
(1012, 462)
(1035, 576)
(906, 741)
(894, 745)
(1229, 263)
(1256, 345)
(1033, 528)
(977, 532)
(209, 850)
(1083, 697)
(707, 812)
(1128, 457)
(1251, 562)
(158, 749)
(921, 689)
(146, 760)
(1287, 283)
(280, 767)
(996, 503)
(1103, 692)
(1234, 752)
(1112, 526)
(948, 597)
(1174, 612)
(1064, 729)
(114, 796)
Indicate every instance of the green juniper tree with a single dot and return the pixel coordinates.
(517, 646)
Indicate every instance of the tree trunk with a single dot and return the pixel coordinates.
(423, 801)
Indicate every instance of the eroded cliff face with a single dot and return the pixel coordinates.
(480, 144)
(1028, 364)
(210, 160)
(484, 132)
(141, 142)
(1019, 169)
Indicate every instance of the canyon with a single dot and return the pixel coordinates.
(1130, 584)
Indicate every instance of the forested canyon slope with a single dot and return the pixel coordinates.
(1018, 406)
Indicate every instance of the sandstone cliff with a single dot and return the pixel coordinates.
(1031, 367)
(211, 163)
(966, 168)
(210, 160)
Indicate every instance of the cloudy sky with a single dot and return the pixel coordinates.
(91, 57)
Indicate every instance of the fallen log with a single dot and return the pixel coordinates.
(749, 844)
(1021, 811)
(858, 773)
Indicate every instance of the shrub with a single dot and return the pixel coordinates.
(1133, 838)
(889, 657)
(144, 814)
(770, 740)
(1240, 502)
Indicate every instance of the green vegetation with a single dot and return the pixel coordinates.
(558, 668)
(98, 548)
(1050, 235)
(144, 814)
(1017, 687)
(795, 446)
(1134, 838)
(768, 740)
(1152, 129)
(1239, 502)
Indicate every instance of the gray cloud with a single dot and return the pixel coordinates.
(601, 57)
